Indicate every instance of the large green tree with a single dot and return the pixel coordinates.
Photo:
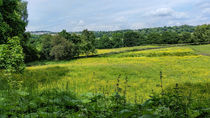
(131, 38)
(117, 39)
(13, 19)
(105, 42)
(88, 42)
(202, 33)
(61, 48)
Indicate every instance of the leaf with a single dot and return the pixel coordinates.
(22, 93)
(85, 101)
(1, 2)
(150, 116)
(3, 116)
(125, 113)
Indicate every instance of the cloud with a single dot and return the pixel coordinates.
(163, 12)
(137, 26)
(75, 15)
(168, 12)
(120, 19)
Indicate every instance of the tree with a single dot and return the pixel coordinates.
(61, 48)
(202, 33)
(46, 47)
(169, 38)
(65, 34)
(23, 11)
(13, 20)
(105, 42)
(131, 38)
(117, 39)
(88, 42)
(13, 17)
(154, 38)
(74, 39)
(185, 37)
(77, 41)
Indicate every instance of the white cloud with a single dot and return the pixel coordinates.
(163, 12)
(81, 22)
(120, 19)
(137, 26)
(168, 12)
(206, 11)
(75, 15)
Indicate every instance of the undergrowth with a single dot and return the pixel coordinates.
(28, 102)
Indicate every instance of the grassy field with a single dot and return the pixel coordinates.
(182, 65)
(116, 50)
(202, 49)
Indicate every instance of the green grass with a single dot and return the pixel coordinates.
(202, 49)
(115, 50)
(88, 87)
(99, 52)
(142, 68)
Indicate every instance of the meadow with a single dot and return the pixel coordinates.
(182, 65)
(152, 81)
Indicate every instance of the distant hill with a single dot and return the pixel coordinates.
(42, 32)
(178, 29)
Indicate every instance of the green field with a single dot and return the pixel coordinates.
(183, 65)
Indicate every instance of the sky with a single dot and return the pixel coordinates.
(110, 15)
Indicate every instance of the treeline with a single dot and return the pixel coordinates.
(165, 35)
(65, 45)
(61, 46)
(145, 31)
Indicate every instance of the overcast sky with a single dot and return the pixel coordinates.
(106, 15)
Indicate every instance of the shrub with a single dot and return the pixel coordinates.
(11, 56)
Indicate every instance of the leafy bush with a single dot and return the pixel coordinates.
(11, 56)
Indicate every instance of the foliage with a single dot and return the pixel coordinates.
(202, 34)
(104, 42)
(162, 35)
(146, 31)
(131, 39)
(28, 102)
(11, 56)
(13, 15)
(66, 46)
(117, 40)
(88, 42)
(61, 48)
(46, 47)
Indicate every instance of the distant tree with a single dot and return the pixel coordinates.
(77, 41)
(185, 37)
(142, 39)
(169, 38)
(61, 48)
(117, 39)
(88, 42)
(131, 38)
(65, 34)
(46, 47)
(154, 38)
(105, 42)
(202, 33)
